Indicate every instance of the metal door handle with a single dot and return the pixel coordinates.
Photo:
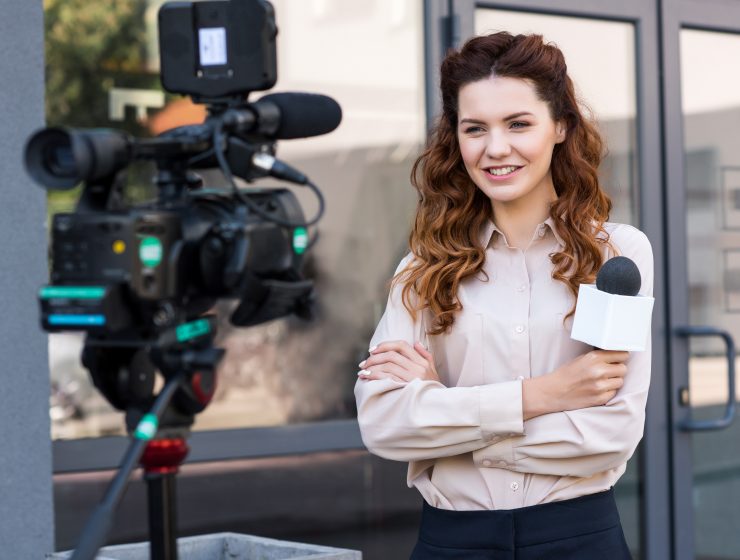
(703, 425)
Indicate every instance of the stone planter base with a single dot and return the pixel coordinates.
(225, 546)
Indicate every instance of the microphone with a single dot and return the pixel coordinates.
(611, 315)
(620, 276)
(287, 115)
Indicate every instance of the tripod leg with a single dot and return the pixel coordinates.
(162, 516)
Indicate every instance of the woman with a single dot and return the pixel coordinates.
(514, 433)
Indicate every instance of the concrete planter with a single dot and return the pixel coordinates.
(225, 546)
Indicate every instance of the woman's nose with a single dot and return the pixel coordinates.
(498, 145)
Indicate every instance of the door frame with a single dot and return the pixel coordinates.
(448, 23)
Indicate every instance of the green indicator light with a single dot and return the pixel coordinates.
(71, 292)
(150, 251)
(300, 240)
(192, 330)
(147, 427)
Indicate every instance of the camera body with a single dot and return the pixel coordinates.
(146, 262)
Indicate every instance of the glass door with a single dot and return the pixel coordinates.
(707, 442)
(711, 122)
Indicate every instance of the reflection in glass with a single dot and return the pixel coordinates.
(601, 61)
(711, 120)
(102, 71)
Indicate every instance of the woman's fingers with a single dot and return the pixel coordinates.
(419, 347)
(616, 370)
(614, 356)
(368, 375)
(391, 358)
(403, 348)
(400, 360)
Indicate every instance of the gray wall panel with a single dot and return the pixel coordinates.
(26, 509)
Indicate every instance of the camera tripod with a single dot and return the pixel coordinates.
(158, 435)
(161, 461)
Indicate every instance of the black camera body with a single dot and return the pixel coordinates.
(146, 262)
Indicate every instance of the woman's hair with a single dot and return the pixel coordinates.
(452, 210)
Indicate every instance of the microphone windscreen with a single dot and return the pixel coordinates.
(304, 114)
(619, 276)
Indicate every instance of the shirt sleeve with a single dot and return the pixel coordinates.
(587, 441)
(424, 419)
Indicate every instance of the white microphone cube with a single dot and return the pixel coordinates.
(610, 321)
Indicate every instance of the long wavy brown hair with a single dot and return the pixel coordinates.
(452, 211)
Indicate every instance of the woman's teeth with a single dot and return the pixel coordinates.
(502, 170)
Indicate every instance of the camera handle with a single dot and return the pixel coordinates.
(98, 525)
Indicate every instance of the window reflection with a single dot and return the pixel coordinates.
(102, 71)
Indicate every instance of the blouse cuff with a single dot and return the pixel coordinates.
(501, 410)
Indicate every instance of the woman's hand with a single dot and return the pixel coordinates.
(400, 361)
(591, 379)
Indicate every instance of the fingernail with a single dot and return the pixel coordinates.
(363, 373)
(373, 348)
(362, 363)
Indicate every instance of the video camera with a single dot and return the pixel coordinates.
(138, 279)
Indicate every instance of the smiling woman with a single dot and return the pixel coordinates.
(507, 152)
(472, 375)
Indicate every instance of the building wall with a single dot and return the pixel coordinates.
(26, 530)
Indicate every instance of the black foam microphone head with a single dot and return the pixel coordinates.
(619, 276)
(304, 114)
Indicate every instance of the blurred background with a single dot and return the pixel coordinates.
(277, 453)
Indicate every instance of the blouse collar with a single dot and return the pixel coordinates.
(490, 228)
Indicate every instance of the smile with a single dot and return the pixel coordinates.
(501, 172)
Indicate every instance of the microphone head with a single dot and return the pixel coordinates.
(619, 276)
(304, 114)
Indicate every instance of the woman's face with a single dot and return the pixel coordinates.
(506, 137)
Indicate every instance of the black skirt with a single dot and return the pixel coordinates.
(585, 528)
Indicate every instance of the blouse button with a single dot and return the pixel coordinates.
(487, 462)
(520, 378)
(519, 329)
(515, 486)
(521, 288)
(502, 463)
(541, 231)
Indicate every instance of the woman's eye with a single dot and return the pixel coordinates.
(473, 129)
(519, 124)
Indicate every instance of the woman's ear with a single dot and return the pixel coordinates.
(560, 131)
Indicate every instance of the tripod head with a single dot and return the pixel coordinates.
(123, 369)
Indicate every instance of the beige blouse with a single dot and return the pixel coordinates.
(467, 445)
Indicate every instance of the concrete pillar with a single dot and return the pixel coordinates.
(26, 513)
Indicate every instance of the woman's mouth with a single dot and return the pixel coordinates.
(501, 172)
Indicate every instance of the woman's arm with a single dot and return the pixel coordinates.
(406, 414)
(423, 419)
(589, 440)
(579, 442)
(426, 420)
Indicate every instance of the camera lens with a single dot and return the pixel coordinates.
(50, 159)
(59, 160)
